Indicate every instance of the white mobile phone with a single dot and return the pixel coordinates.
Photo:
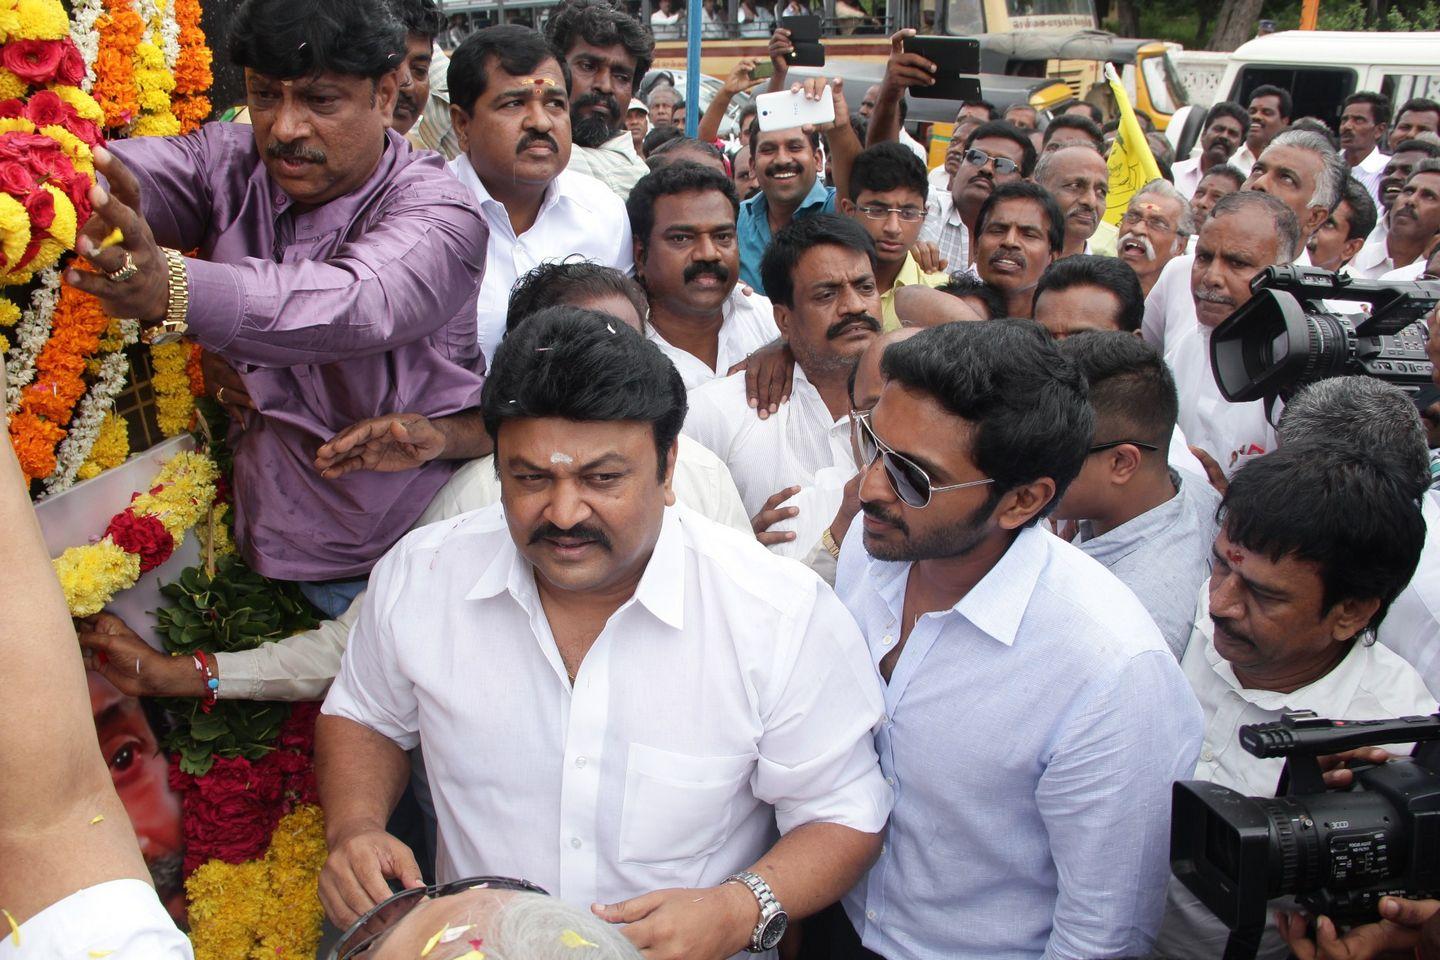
(783, 109)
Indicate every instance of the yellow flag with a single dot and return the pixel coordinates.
(1132, 165)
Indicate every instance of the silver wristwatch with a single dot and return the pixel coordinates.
(773, 918)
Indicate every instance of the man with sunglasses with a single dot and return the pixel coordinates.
(619, 700)
(1032, 708)
(887, 198)
(995, 154)
(1148, 523)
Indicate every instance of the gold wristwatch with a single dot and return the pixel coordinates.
(177, 307)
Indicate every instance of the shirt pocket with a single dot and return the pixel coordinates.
(678, 807)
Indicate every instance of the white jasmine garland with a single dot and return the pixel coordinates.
(85, 31)
(75, 449)
(31, 335)
(169, 34)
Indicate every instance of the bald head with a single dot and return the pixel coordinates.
(1079, 180)
(867, 381)
(918, 306)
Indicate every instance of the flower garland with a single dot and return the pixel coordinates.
(139, 538)
(85, 31)
(110, 449)
(192, 68)
(120, 32)
(154, 85)
(174, 404)
(77, 451)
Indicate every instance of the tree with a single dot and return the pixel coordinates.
(1234, 24)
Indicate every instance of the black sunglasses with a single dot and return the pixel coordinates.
(1003, 165)
(364, 932)
(909, 480)
(1110, 445)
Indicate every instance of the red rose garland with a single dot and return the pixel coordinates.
(144, 535)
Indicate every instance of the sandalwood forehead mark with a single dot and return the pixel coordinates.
(558, 457)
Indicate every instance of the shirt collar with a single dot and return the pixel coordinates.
(1372, 255)
(1120, 542)
(819, 194)
(555, 190)
(909, 273)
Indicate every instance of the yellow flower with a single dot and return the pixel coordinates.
(156, 125)
(83, 103)
(111, 447)
(4, 344)
(14, 229)
(92, 575)
(171, 383)
(187, 488)
(40, 20)
(9, 313)
(76, 149)
(12, 124)
(11, 86)
(9, 19)
(227, 902)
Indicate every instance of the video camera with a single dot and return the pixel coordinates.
(1337, 851)
(1285, 337)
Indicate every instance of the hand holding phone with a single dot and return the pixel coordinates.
(956, 61)
(785, 109)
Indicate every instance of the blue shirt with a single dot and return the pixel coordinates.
(1031, 735)
(753, 227)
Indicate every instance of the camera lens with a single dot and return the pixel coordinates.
(1339, 841)
(1330, 346)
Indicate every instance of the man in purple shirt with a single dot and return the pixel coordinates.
(337, 273)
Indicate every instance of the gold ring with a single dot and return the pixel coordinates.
(220, 395)
(127, 270)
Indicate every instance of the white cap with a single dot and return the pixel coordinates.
(638, 104)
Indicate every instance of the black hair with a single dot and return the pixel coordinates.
(749, 110)
(422, 18)
(1379, 104)
(888, 166)
(970, 287)
(519, 51)
(1093, 112)
(286, 39)
(1287, 105)
(1027, 190)
(660, 155)
(1431, 150)
(999, 128)
(1073, 121)
(799, 237)
(683, 177)
(1231, 109)
(990, 112)
(602, 24)
(1363, 215)
(1108, 273)
(1316, 125)
(577, 364)
(558, 282)
(813, 136)
(1229, 172)
(1355, 519)
(1026, 400)
(660, 134)
(1421, 104)
(1132, 390)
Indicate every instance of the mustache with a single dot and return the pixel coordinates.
(167, 874)
(596, 99)
(717, 270)
(1213, 296)
(878, 512)
(406, 102)
(531, 137)
(1013, 255)
(775, 169)
(854, 320)
(1227, 626)
(548, 531)
(281, 150)
(1144, 241)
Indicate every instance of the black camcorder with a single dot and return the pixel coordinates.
(1285, 336)
(1336, 851)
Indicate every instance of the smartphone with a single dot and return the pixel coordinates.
(802, 27)
(763, 70)
(957, 60)
(783, 109)
(805, 37)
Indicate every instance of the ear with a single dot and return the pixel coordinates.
(1349, 617)
(1315, 219)
(847, 207)
(459, 122)
(637, 253)
(670, 473)
(385, 89)
(782, 319)
(1123, 463)
(1352, 247)
(1021, 504)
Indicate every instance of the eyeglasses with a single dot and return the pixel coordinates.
(909, 480)
(878, 211)
(978, 158)
(364, 932)
(1111, 445)
(1131, 218)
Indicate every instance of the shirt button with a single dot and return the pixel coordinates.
(580, 762)
(890, 781)
(869, 914)
(1207, 755)
(887, 641)
(885, 720)
(575, 842)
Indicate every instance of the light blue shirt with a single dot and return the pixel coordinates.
(753, 226)
(1031, 735)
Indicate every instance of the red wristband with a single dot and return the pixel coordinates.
(212, 682)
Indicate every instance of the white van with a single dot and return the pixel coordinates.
(1322, 68)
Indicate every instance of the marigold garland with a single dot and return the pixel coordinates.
(192, 68)
(121, 30)
(110, 449)
(174, 404)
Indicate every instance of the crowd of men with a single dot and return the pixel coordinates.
(759, 545)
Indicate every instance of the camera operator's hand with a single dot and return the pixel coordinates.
(1335, 767)
(1408, 928)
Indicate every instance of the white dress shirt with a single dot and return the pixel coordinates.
(731, 694)
(944, 228)
(1370, 171)
(939, 178)
(301, 667)
(916, 147)
(1373, 261)
(1232, 433)
(1243, 159)
(1371, 683)
(1187, 176)
(579, 216)
(1169, 307)
(1412, 624)
(614, 163)
(1031, 735)
(120, 919)
(749, 324)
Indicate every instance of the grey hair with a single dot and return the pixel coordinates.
(532, 926)
(1167, 190)
(1366, 415)
(1333, 171)
(1287, 225)
(1429, 165)
(1047, 160)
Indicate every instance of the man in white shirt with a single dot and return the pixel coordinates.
(1343, 233)
(1079, 180)
(1247, 232)
(615, 696)
(687, 256)
(665, 22)
(1148, 523)
(1364, 119)
(1414, 224)
(1270, 109)
(607, 52)
(1155, 229)
(821, 270)
(512, 117)
(1034, 718)
(1225, 126)
(1305, 172)
(1407, 156)
(1285, 624)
